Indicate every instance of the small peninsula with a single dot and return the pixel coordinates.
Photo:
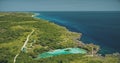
(26, 39)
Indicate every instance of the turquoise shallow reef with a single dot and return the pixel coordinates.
(62, 51)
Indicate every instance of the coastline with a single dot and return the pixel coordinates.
(35, 14)
(77, 39)
(47, 37)
(86, 35)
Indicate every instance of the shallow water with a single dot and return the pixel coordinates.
(61, 52)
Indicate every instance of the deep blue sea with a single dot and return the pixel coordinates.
(101, 28)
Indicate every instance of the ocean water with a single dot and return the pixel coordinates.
(101, 28)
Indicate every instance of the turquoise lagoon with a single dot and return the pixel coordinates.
(61, 52)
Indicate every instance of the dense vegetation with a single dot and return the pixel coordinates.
(14, 28)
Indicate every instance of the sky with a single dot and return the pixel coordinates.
(59, 5)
